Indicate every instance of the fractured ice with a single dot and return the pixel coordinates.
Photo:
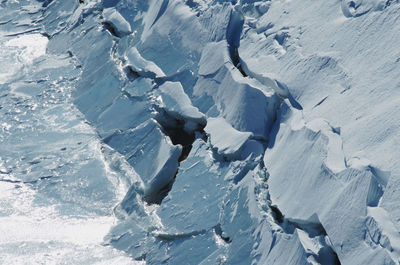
(216, 132)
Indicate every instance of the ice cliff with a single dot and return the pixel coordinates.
(260, 132)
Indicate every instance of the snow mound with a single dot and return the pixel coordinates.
(117, 23)
(147, 143)
(245, 103)
(141, 66)
(227, 141)
(171, 98)
(139, 87)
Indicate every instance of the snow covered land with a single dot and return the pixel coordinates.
(200, 132)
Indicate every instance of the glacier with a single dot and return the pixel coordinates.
(200, 132)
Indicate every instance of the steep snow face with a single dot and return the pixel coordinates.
(241, 132)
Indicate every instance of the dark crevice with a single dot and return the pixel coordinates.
(185, 152)
(233, 33)
(5, 22)
(234, 55)
(131, 74)
(46, 2)
(326, 255)
(320, 102)
(11, 181)
(35, 30)
(45, 34)
(178, 135)
(171, 237)
(171, 126)
(25, 182)
(162, 193)
(219, 232)
(70, 54)
(313, 227)
(277, 214)
(108, 26)
(175, 130)
(142, 257)
(191, 4)
(161, 11)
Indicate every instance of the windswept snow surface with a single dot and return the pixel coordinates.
(200, 132)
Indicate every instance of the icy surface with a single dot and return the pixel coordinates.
(57, 189)
(200, 132)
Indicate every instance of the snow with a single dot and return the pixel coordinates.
(227, 141)
(385, 230)
(32, 46)
(57, 189)
(292, 175)
(147, 143)
(20, 51)
(173, 100)
(117, 22)
(139, 87)
(141, 65)
(244, 103)
(199, 132)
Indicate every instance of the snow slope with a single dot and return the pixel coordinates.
(256, 132)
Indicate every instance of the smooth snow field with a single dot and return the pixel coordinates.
(200, 132)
